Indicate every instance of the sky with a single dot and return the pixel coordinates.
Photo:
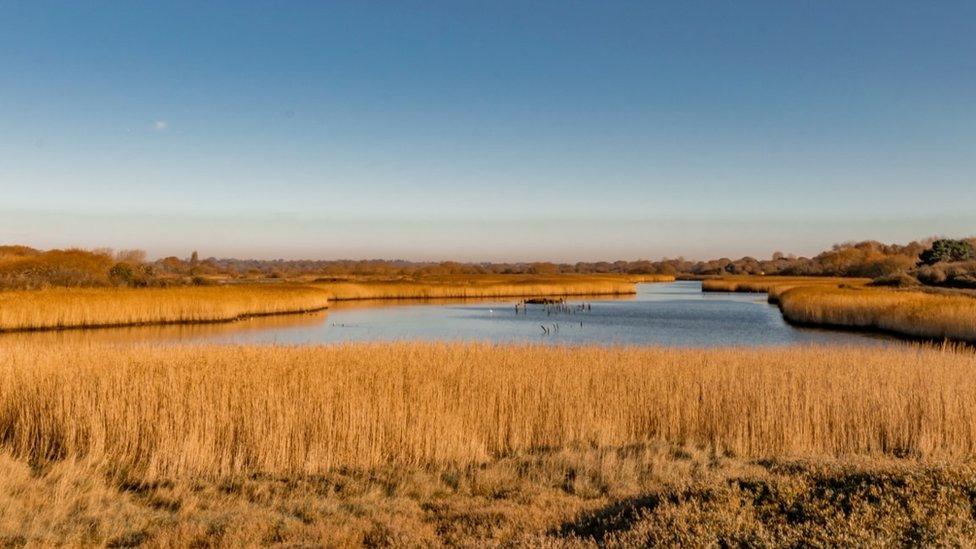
(485, 131)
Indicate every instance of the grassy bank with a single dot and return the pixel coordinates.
(58, 308)
(846, 303)
(907, 313)
(774, 285)
(424, 444)
(157, 412)
(489, 286)
(96, 307)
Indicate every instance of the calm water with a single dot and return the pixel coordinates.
(677, 314)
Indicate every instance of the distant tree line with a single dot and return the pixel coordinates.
(936, 261)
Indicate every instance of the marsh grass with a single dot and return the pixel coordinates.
(485, 287)
(774, 285)
(908, 313)
(59, 308)
(424, 444)
(218, 411)
(847, 303)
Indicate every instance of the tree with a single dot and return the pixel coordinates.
(947, 251)
(543, 268)
(132, 257)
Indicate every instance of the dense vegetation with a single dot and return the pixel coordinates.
(416, 444)
(940, 262)
(167, 411)
(59, 308)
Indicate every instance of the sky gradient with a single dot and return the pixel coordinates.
(486, 131)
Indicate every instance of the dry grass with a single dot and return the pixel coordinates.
(96, 307)
(494, 286)
(850, 303)
(472, 444)
(218, 411)
(648, 278)
(907, 313)
(92, 307)
(773, 285)
(619, 497)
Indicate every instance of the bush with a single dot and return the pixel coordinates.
(948, 251)
(967, 281)
(201, 281)
(933, 276)
(897, 280)
(122, 274)
(24, 268)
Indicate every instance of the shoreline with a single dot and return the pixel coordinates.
(776, 292)
(238, 318)
(417, 292)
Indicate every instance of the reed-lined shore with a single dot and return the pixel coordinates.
(849, 304)
(774, 285)
(488, 286)
(67, 308)
(910, 314)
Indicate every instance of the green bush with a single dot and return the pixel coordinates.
(947, 251)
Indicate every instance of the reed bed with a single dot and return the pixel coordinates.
(848, 303)
(651, 278)
(482, 287)
(151, 412)
(96, 307)
(60, 308)
(907, 313)
(774, 285)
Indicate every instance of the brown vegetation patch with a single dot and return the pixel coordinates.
(614, 497)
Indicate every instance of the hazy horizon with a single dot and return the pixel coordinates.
(363, 239)
(486, 132)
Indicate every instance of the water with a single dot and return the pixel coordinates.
(676, 314)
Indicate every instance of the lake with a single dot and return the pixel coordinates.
(674, 314)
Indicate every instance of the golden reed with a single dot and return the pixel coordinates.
(908, 313)
(96, 307)
(213, 411)
(773, 284)
(487, 287)
(849, 303)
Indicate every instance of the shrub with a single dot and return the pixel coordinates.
(947, 251)
(931, 275)
(21, 267)
(201, 281)
(967, 281)
(897, 280)
(121, 274)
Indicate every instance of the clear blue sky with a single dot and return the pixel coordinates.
(486, 130)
